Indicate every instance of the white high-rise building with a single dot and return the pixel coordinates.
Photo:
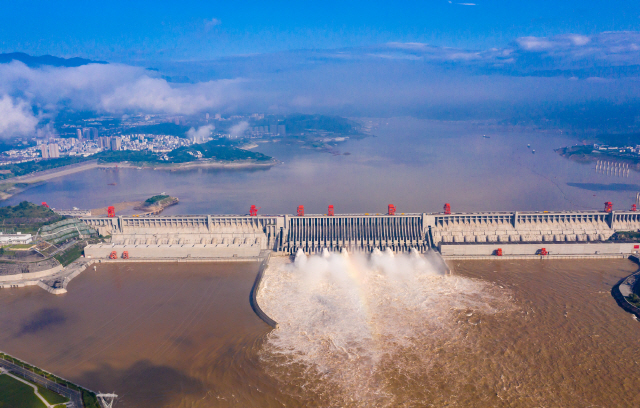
(50, 151)
(44, 149)
(116, 143)
(54, 151)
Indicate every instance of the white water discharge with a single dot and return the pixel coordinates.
(352, 329)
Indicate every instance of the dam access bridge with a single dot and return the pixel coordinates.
(481, 233)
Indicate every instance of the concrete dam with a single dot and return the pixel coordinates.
(457, 234)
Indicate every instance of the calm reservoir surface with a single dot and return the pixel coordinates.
(417, 165)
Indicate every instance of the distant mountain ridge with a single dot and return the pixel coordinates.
(50, 60)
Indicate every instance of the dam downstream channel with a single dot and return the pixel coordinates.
(521, 334)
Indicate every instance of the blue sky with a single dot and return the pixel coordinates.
(122, 31)
(571, 63)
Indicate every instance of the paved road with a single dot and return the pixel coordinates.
(55, 172)
(74, 396)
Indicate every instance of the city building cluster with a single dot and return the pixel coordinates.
(271, 130)
(618, 149)
(54, 148)
(88, 136)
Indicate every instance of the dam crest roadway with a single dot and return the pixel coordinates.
(454, 234)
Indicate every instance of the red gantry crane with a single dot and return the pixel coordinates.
(608, 206)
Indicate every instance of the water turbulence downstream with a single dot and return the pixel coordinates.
(356, 330)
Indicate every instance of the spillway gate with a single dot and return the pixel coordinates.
(355, 233)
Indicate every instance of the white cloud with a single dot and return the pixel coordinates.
(209, 24)
(157, 95)
(239, 129)
(579, 39)
(115, 88)
(16, 118)
(391, 78)
(201, 133)
(534, 43)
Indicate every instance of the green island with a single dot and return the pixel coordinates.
(298, 123)
(319, 132)
(624, 147)
(157, 203)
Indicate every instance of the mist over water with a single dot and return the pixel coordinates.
(355, 330)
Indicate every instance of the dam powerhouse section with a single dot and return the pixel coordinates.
(228, 236)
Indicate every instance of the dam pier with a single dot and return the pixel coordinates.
(481, 234)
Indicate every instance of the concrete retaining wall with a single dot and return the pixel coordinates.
(577, 249)
(526, 257)
(626, 287)
(30, 275)
(102, 251)
(253, 298)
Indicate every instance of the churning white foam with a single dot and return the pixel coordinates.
(344, 319)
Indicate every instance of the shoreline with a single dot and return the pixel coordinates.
(8, 187)
(241, 164)
(627, 286)
(255, 290)
(595, 156)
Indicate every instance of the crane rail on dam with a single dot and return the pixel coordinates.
(247, 235)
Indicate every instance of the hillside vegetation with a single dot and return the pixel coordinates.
(336, 124)
(26, 217)
(214, 150)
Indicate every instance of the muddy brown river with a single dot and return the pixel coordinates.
(494, 333)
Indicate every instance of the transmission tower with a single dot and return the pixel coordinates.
(106, 400)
